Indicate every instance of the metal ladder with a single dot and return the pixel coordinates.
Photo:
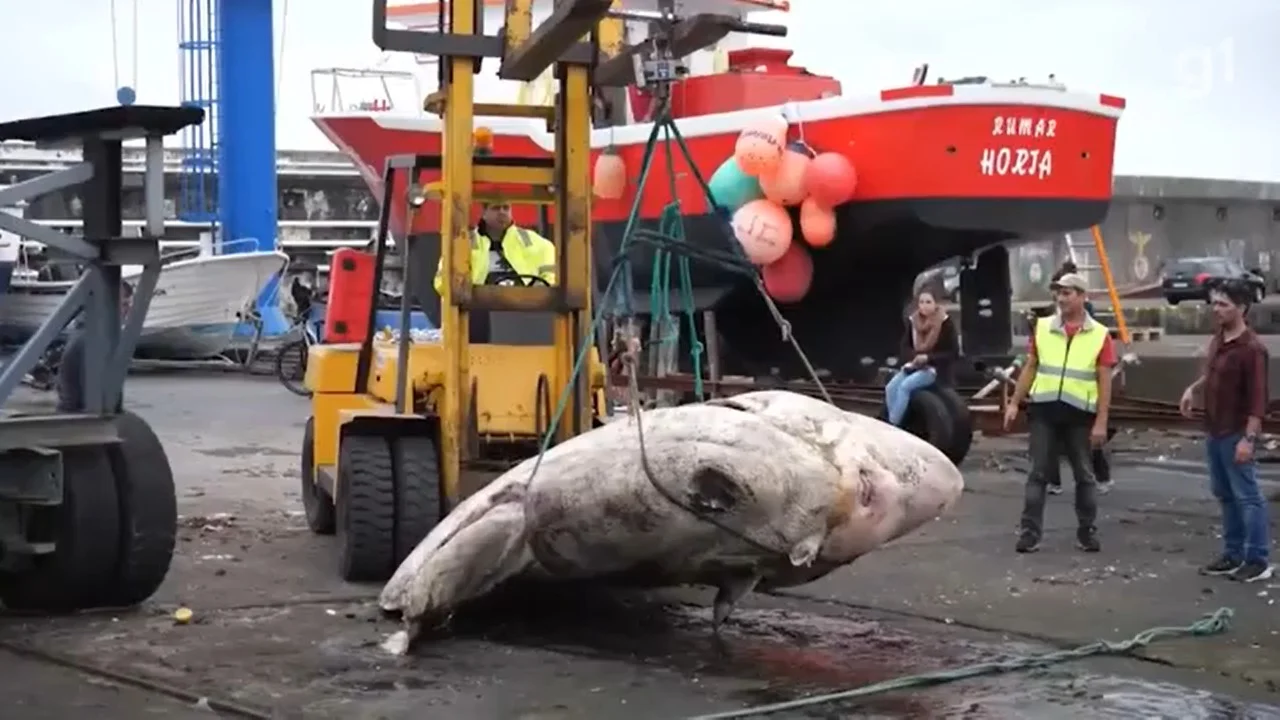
(1090, 257)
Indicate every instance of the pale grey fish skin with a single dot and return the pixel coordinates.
(803, 488)
(902, 482)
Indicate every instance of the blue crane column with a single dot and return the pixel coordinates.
(246, 144)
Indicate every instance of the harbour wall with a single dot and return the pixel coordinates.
(1154, 219)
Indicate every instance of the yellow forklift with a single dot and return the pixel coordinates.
(396, 425)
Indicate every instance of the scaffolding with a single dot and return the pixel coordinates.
(198, 88)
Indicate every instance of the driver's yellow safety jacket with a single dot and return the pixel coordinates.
(529, 254)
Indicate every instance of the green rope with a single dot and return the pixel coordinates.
(618, 292)
(1213, 624)
(672, 227)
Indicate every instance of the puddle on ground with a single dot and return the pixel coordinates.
(797, 654)
(330, 655)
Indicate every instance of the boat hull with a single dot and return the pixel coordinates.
(932, 146)
(943, 171)
(194, 312)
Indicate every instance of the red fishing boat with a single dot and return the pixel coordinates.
(943, 170)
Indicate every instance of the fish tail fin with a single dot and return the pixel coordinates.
(484, 554)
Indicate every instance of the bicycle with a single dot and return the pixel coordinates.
(291, 358)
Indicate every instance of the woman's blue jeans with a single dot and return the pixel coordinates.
(1245, 526)
(897, 394)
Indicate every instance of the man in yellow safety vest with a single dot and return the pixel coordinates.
(1067, 383)
(503, 253)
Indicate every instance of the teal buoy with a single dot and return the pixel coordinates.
(733, 188)
(126, 96)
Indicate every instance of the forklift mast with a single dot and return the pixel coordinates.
(562, 182)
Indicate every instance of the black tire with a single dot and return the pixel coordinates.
(366, 512)
(317, 504)
(148, 512)
(419, 495)
(1174, 301)
(929, 418)
(961, 423)
(291, 367)
(86, 529)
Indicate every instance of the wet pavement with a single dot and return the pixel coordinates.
(276, 633)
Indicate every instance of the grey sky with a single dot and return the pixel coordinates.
(1199, 76)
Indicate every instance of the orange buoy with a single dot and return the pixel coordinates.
(817, 223)
(759, 148)
(831, 179)
(764, 230)
(786, 185)
(609, 177)
(789, 278)
(482, 141)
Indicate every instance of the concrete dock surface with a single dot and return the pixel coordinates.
(276, 633)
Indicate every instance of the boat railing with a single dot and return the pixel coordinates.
(347, 90)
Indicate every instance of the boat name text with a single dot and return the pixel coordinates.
(1024, 127)
(1018, 162)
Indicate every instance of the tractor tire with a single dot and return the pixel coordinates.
(317, 504)
(148, 505)
(929, 418)
(419, 495)
(366, 512)
(86, 530)
(961, 423)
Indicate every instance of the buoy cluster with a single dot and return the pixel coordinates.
(767, 177)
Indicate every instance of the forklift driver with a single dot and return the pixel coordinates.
(71, 367)
(503, 253)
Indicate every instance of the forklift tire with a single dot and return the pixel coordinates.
(419, 495)
(317, 505)
(366, 512)
(86, 528)
(929, 418)
(961, 423)
(148, 506)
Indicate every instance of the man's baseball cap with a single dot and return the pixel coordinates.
(1071, 280)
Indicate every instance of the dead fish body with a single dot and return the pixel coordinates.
(763, 489)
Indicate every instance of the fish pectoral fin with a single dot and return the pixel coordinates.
(729, 593)
(806, 551)
(713, 492)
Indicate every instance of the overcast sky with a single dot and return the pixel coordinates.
(1199, 76)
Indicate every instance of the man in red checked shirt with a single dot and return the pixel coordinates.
(1067, 383)
(1235, 403)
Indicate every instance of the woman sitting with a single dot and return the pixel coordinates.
(929, 348)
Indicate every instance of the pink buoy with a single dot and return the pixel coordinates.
(786, 185)
(831, 179)
(759, 147)
(789, 278)
(764, 230)
(817, 223)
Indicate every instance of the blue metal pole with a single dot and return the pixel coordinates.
(247, 193)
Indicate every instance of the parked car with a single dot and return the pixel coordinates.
(1192, 278)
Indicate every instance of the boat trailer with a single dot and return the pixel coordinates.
(88, 511)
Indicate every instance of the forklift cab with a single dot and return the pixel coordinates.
(496, 327)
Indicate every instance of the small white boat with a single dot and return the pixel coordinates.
(193, 315)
